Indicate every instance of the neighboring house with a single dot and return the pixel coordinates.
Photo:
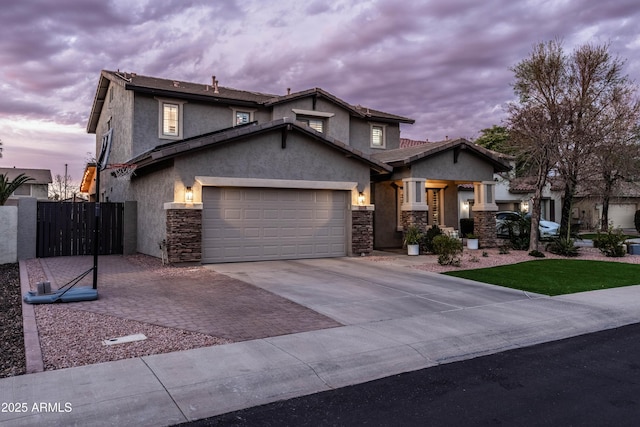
(38, 187)
(587, 206)
(229, 175)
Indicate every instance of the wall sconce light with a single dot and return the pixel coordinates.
(525, 206)
(188, 195)
(465, 205)
(361, 198)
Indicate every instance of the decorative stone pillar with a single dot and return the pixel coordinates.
(362, 229)
(414, 208)
(484, 213)
(184, 232)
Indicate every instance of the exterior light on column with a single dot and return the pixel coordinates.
(188, 195)
(361, 198)
(525, 206)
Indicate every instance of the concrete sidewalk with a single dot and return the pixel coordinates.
(176, 387)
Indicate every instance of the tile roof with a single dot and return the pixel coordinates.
(526, 184)
(406, 142)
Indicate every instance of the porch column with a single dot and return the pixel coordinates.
(184, 232)
(362, 229)
(484, 213)
(414, 208)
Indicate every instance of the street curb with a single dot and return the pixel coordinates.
(32, 350)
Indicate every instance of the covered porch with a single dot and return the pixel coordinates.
(423, 190)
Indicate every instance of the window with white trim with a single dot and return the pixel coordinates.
(170, 118)
(316, 120)
(378, 136)
(242, 116)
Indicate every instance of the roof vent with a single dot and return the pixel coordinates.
(176, 84)
(288, 91)
(215, 87)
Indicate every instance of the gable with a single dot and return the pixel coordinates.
(281, 129)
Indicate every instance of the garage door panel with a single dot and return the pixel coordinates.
(622, 215)
(245, 224)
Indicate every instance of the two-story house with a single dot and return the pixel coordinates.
(37, 187)
(229, 175)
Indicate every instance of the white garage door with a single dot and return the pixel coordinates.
(251, 224)
(622, 215)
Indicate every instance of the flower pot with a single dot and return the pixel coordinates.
(413, 249)
(472, 243)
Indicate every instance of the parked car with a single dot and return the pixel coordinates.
(547, 228)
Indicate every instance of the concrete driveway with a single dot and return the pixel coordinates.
(354, 291)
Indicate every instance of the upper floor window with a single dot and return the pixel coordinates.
(170, 119)
(314, 119)
(23, 190)
(316, 124)
(242, 116)
(378, 136)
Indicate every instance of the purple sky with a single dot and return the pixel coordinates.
(444, 63)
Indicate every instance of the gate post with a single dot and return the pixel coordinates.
(27, 227)
(130, 228)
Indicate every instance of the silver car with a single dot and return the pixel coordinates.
(547, 229)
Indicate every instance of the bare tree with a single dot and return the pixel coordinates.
(536, 121)
(577, 95)
(618, 156)
(62, 187)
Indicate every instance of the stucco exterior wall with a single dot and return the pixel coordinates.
(337, 127)
(151, 192)
(9, 233)
(469, 167)
(360, 131)
(264, 157)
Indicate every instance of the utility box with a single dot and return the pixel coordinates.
(634, 249)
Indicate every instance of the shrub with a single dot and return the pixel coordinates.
(536, 254)
(563, 246)
(504, 249)
(429, 236)
(519, 232)
(610, 243)
(413, 236)
(466, 226)
(636, 220)
(448, 250)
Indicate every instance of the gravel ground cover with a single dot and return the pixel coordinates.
(484, 258)
(12, 361)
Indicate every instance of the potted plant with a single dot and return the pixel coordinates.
(412, 238)
(472, 241)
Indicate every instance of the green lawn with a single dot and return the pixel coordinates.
(557, 276)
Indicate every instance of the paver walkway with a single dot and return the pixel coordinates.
(193, 299)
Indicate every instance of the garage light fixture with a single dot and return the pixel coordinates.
(188, 195)
(361, 198)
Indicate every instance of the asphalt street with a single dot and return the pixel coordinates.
(589, 380)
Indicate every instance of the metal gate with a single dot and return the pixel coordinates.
(67, 229)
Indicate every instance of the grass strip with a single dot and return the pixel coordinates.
(556, 276)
